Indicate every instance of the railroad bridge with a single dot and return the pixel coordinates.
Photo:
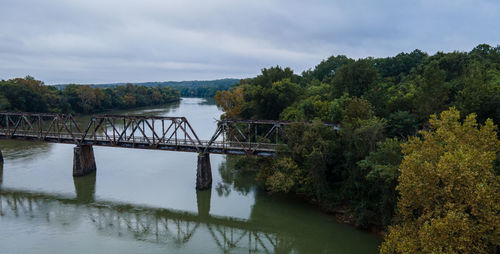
(236, 137)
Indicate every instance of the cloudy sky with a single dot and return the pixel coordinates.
(94, 41)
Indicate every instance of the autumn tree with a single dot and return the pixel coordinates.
(231, 102)
(129, 100)
(450, 196)
(87, 99)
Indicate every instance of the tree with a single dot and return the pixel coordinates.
(450, 196)
(231, 101)
(129, 100)
(382, 170)
(305, 163)
(481, 94)
(360, 132)
(400, 64)
(432, 92)
(402, 124)
(87, 99)
(355, 78)
(325, 70)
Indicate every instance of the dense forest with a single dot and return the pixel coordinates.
(196, 88)
(30, 95)
(414, 153)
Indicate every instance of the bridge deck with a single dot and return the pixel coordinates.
(181, 145)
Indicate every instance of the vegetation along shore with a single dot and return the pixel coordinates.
(416, 153)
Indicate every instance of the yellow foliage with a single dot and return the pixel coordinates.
(450, 197)
(230, 101)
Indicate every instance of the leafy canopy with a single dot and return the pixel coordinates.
(450, 196)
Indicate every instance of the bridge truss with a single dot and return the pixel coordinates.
(238, 137)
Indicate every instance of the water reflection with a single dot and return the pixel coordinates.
(85, 188)
(24, 150)
(140, 223)
(149, 111)
(262, 233)
(203, 198)
(242, 182)
(1, 173)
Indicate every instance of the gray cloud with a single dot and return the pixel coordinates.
(90, 41)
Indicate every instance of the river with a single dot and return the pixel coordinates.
(144, 201)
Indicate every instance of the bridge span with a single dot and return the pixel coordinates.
(235, 137)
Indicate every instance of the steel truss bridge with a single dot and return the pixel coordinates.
(237, 137)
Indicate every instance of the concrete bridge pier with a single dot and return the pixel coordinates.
(203, 172)
(83, 160)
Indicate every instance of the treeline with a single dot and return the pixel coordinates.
(203, 90)
(378, 103)
(30, 95)
(195, 88)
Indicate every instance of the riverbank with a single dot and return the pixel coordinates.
(30, 95)
(341, 213)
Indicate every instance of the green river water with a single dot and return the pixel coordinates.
(144, 201)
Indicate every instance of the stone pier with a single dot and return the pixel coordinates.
(204, 172)
(83, 160)
(1, 157)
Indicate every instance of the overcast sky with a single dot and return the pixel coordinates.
(94, 41)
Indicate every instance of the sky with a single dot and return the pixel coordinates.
(104, 41)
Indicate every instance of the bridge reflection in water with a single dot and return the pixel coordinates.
(263, 232)
(141, 223)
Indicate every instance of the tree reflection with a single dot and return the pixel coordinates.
(26, 150)
(280, 232)
(232, 178)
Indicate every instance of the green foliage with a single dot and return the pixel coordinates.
(327, 69)
(482, 93)
(400, 65)
(26, 95)
(355, 78)
(195, 88)
(432, 92)
(371, 100)
(265, 96)
(307, 158)
(381, 170)
(31, 95)
(402, 124)
(285, 175)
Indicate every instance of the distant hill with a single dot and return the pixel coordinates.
(194, 88)
(226, 81)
